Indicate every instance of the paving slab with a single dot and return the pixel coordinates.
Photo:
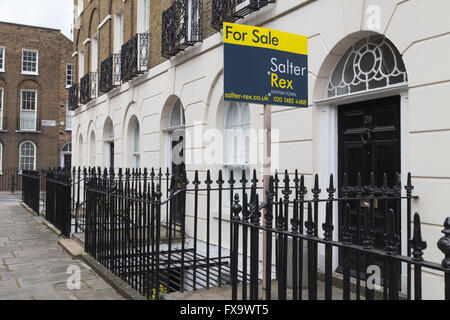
(34, 267)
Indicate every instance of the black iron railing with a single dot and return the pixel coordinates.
(296, 239)
(233, 10)
(88, 87)
(31, 189)
(74, 93)
(135, 55)
(142, 237)
(162, 232)
(10, 180)
(181, 26)
(58, 200)
(85, 91)
(110, 73)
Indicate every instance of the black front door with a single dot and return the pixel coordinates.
(67, 161)
(369, 141)
(111, 155)
(178, 170)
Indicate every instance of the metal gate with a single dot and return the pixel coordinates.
(31, 189)
(58, 198)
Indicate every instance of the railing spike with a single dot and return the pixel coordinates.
(331, 189)
(208, 180)
(280, 221)
(220, 181)
(286, 191)
(309, 224)
(255, 178)
(346, 233)
(391, 242)
(196, 181)
(328, 225)
(303, 189)
(231, 181)
(244, 178)
(236, 208)
(409, 187)
(417, 244)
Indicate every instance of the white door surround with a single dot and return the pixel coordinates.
(328, 155)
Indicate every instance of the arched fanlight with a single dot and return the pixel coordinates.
(67, 147)
(372, 63)
(177, 117)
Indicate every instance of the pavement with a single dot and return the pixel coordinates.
(34, 267)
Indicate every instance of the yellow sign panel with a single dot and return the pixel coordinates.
(264, 38)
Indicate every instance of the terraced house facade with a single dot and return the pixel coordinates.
(149, 78)
(36, 69)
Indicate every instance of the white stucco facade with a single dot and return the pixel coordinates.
(307, 138)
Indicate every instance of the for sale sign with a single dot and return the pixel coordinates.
(265, 66)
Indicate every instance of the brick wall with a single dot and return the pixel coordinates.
(97, 11)
(54, 52)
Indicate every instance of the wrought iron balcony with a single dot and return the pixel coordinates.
(88, 87)
(181, 26)
(233, 10)
(134, 57)
(74, 97)
(110, 73)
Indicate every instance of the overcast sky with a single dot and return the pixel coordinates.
(56, 14)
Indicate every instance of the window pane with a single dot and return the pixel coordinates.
(29, 61)
(176, 118)
(371, 63)
(136, 146)
(237, 140)
(69, 74)
(68, 117)
(2, 58)
(28, 110)
(27, 156)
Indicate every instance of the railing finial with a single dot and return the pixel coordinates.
(444, 245)
(417, 244)
(236, 208)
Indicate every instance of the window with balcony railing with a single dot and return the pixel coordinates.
(110, 73)
(134, 57)
(28, 110)
(88, 87)
(74, 97)
(181, 26)
(233, 10)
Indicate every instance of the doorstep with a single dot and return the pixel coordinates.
(71, 247)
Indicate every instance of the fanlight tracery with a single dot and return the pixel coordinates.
(372, 63)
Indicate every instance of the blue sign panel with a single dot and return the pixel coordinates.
(265, 71)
